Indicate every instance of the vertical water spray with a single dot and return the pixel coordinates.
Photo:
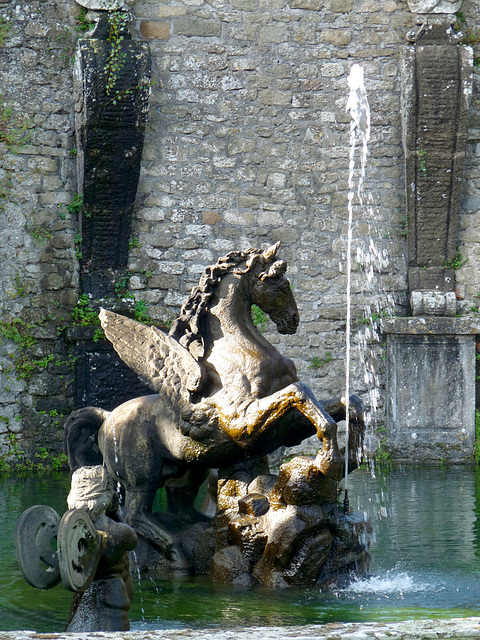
(359, 109)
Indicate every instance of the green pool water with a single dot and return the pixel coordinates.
(425, 562)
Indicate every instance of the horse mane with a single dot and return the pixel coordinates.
(187, 328)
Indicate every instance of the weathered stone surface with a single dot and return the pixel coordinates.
(198, 544)
(110, 127)
(197, 27)
(247, 533)
(253, 504)
(295, 536)
(229, 565)
(160, 30)
(431, 397)
(315, 5)
(437, 6)
(106, 5)
(301, 482)
(435, 143)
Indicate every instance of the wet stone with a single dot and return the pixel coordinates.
(253, 504)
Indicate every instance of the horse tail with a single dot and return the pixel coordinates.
(80, 437)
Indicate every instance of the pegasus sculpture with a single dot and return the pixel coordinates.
(222, 393)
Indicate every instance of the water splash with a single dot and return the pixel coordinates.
(392, 583)
(359, 109)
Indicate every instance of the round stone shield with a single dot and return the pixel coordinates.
(36, 546)
(79, 549)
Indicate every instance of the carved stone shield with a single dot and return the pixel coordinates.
(80, 546)
(36, 546)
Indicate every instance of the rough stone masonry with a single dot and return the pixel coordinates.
(247, 143)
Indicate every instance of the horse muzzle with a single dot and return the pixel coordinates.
(288, 324)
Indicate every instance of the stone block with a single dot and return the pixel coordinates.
(248, 202)
(171, 268)
(54, 197)
(269, 218)
(431, 388)
(275, 34)
(168, 11)
(273, 97)
(164, 282)
(341, 6)
(253, 504)
(211, 217)
(245, 5)
(159, 239)
(242, 218)
(241, 145)
(333, 69)
(42, 165)
(313, 5)
(336, 37)
(228, 564)
(197, 27)
(285, 234)
(150, 29)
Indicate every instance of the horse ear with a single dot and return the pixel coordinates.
(278, 268)
(271, 252)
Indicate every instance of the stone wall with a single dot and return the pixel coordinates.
(247, 143)
(37, 231)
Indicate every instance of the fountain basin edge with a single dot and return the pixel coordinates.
(406, 630)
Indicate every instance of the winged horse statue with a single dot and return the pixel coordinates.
(222, 392)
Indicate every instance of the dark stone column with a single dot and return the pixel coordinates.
(112, 82)
(102, 379)
(112, 86)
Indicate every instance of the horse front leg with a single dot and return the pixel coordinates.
(138, 513)
(336, 407)
(264, 412)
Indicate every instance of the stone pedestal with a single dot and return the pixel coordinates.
(431, 356)
(431, 388)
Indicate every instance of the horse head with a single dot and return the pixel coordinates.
(271, 291)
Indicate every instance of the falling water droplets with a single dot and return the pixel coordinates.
(359, 109)
(110, 427)
(367, 262)
(135, 572)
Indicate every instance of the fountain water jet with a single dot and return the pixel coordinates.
(359, 109)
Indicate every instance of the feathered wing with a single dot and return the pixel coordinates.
(154, 356)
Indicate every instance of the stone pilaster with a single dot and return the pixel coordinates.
(436, 75)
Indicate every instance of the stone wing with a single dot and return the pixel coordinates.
(154, 356)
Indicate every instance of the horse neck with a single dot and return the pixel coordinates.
(230, 313)
(237, 349)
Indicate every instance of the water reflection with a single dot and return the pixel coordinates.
(424, 562)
